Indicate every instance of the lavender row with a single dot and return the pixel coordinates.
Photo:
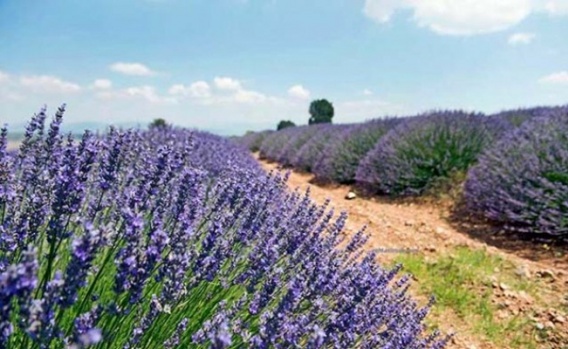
(409, 156)
(426, 149)
(174, 238)
(522, 182)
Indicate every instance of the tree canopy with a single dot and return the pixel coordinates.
(321, 111)
(284, 124)
(158, 123)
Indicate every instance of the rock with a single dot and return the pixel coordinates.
(523, 272)
(549, 324)
(496, 270)
(525, 297)
(430, 248)
(440, 230)
(503, 287)
(409, 223)
(546, 273)
(560, 319)
(350, 196)
(539, 326)
(502, 314)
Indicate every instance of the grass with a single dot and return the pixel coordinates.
(461, 280)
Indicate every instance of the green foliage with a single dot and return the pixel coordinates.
(285, 124)
(158, 123)
(321, 111)
(461, 281)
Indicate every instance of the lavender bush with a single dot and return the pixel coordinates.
(298, 136)
(425, 149)
(522, 181)
(516, 117)
(340, 158)
(173, 239)
(252, 140)
(310, 152)
(272, 144)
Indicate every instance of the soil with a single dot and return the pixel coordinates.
(434, 227)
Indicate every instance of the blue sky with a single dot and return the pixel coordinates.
(234, 65)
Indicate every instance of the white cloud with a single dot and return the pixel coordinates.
(299, 91)
(102, 84)
(381, 10)
(145, 92)
(226, 83)
(228, 90)
(198, 89)
(4, 76)
(48, 84)
(367, 92)
(137, 69)
(464, 17)
(556, 7)
(555, 78)
(252, 97)
(521, 39)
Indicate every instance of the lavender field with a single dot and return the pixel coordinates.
(514, 163)
(174, 238)
(284, 174)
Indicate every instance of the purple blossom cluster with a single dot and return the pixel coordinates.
(341, 156)
(424, 149)
(522, 181)
(253, 140)
(298, 137)
(309, 154)
(274, 144)
(516, 117)
(176, 238)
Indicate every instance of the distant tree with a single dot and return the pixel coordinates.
(284, 124)
(158, 123)
(321, 111)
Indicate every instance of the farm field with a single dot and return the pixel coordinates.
(504, 290)
(284, 174)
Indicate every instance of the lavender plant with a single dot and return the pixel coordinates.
(312, 150)
(273, 143)
(521, 182)
(298, 136)
(340, 158)
(253, 140)
(175, 238)
(425, 149)
(516, 117)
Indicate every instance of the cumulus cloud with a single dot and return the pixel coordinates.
(4, 76)
(102, 84)
(48, 84)
(555, 7)
(145, 92)
(299, 91)
(198, 89)
(245, 96)
(464, 17)
(226, 83)
(227, 90)
(521, 39)
(136, 69)
(555, 78)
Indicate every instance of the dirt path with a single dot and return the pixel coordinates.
(425, 228)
